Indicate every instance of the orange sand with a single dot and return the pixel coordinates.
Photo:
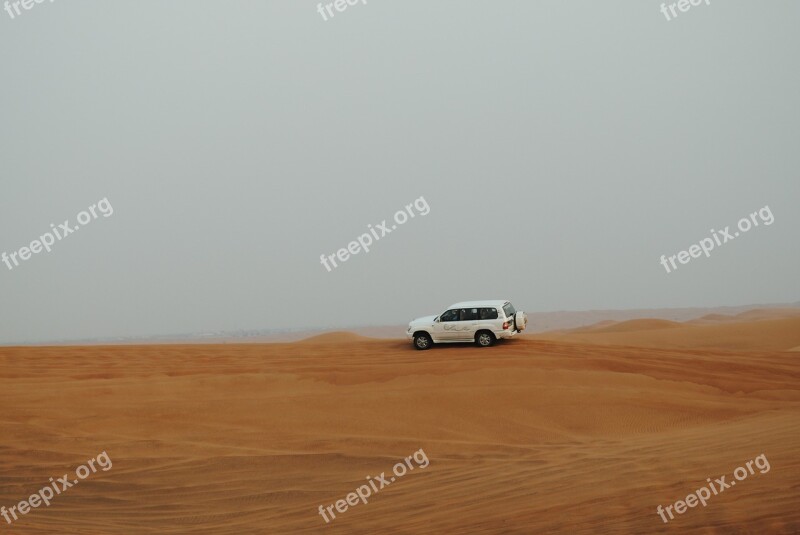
(529, 436)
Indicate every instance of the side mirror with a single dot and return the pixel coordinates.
(436, 319)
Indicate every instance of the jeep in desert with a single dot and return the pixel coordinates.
(481, 322)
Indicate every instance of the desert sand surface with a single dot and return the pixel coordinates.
(781, 334)
(529, 436)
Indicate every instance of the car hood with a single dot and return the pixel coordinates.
(424, 320)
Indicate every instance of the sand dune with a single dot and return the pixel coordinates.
(564, 320)
(714, 318)
(771, 334)
(529, 436)
(634, 325)
(338, 337)
(757, 314)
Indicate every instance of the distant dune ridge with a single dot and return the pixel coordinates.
(537, 322)
(631, 326)
(548, 322)
(546, 433)
(337, 337)
(551, 321)
(753, 330)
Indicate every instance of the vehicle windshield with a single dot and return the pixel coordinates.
(508, 308)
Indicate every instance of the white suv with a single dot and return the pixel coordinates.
(481, 322)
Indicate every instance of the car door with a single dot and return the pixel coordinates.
(445, 328)
(467, 325)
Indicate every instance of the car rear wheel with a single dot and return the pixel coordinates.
(422, 341)
(484, 339)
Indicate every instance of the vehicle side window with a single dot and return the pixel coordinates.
(508, 308)
(488, 313)
(469, 314)
(450, 315)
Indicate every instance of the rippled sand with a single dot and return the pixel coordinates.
(530, 436)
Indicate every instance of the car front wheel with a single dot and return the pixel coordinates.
(422, 341)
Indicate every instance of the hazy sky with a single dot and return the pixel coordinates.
(562, 147)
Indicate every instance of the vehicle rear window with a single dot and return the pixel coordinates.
(488, 313)
(508, 308)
